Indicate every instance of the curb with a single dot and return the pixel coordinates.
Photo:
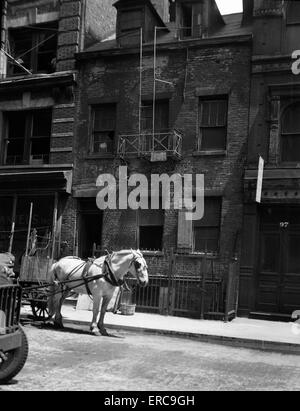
(271, 346)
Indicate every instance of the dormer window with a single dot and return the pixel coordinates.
(130, 20)
(187, 20)
(134, 15)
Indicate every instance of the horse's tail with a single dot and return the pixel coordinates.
(52, 288)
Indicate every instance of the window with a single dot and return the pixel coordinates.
(150, 229)
(172, 10)
(212, 125)
(28, 137)
(130, 20)
(161, 116)
(293, 12)
(34, 48)
(290, 134)
(104, 124)
(206, 232)
(187, 20)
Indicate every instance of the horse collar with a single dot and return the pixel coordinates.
(110, 277)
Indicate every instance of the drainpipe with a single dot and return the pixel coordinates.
(3, 37)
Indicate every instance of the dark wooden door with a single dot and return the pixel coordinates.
(278, 282)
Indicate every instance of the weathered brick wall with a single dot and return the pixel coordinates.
(222, 69)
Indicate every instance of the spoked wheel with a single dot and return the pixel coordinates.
(40, 310)
(12, 362)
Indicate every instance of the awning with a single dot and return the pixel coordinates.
(22, 180)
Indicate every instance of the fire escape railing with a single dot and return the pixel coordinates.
(146, 143)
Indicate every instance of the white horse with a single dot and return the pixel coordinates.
(73, 273)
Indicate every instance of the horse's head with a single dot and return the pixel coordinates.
(138, 267)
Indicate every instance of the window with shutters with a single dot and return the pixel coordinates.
(290, 134)
(104, 125)
(206, 232)
(212, 125)
(150, 229)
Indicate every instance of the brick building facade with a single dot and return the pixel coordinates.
(269, 277)
(38, 89)
(202, 91)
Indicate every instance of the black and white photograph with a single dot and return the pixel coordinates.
(149, 198)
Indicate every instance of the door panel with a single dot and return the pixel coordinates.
(268, 284)
(278, 283)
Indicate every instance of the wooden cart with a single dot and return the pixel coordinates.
(35, 265)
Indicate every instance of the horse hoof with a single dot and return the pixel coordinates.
(96, 333)
(104, 332)
(58, 326)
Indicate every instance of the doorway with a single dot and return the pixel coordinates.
(278, 279)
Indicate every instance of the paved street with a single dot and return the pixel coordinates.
(75, 360)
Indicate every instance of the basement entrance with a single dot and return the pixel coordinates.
(278, 279)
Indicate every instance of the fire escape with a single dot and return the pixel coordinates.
(153, 144)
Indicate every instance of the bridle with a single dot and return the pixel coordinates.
(110, 276)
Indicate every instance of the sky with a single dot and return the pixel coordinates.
(230, 6)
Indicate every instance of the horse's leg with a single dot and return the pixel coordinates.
(105, 301)
(96, 306)
(58, 317)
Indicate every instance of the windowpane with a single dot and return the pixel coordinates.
(207, 230)
(290, 148)
(104, 128)
(161, 116)
(34, 48)
(151, 237)
(213, 139)
(130, 20)
(212, 213)
(42, 123)
(206, 239)
(28, 136)
(16, 124)
(291, 120)
(151, 227)
(213, 125)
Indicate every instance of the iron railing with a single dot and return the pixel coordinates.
(10, 306)
(147, 143)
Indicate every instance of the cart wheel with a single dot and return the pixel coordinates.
(15, 360)
(40, 310)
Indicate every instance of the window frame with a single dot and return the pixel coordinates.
(28, 137)
(139, 225)
(93, 109)
(284, 135)
(34, 35)
(129, 12)
(200, 127)
(217, 226)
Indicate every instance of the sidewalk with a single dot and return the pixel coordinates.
(243, 332)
